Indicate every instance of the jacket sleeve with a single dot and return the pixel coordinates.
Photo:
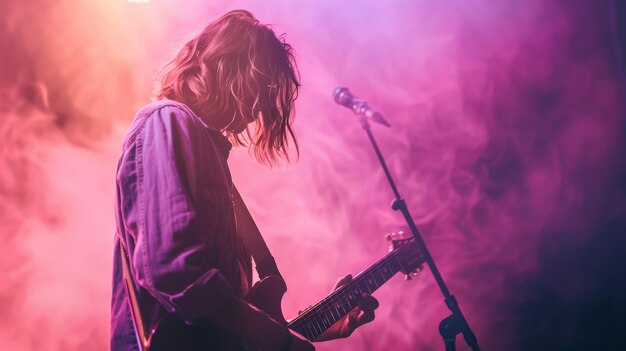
(171, 258)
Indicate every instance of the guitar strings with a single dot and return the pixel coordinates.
(313, 313)
(311, 316)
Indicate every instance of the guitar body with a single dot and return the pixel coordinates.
(170, 333)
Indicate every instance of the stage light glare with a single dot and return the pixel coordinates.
(138, 1)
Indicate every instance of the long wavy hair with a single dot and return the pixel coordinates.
(236, 71)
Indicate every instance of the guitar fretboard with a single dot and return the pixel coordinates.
(316, 319)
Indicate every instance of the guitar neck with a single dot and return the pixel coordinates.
(318, 318)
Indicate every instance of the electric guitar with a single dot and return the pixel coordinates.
(171, 333)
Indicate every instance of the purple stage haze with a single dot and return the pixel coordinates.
(507, 141)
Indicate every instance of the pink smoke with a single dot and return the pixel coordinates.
(505, 142)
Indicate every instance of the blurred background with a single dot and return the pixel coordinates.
(507, 141)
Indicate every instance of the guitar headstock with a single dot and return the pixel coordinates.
(408, 252)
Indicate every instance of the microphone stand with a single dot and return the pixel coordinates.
(456, 323)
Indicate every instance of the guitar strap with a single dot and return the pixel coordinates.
(249, 232)
(138, 324)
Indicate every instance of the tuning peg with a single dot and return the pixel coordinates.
(413, 273)
(393, 235)
(410, 276)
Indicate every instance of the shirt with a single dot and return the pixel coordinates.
(174, 215)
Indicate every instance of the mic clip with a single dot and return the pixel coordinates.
(360, 107)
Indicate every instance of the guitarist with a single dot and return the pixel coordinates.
(177, 248)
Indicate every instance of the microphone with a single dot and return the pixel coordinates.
(344, 97)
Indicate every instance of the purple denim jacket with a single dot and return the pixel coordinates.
(175, 216)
